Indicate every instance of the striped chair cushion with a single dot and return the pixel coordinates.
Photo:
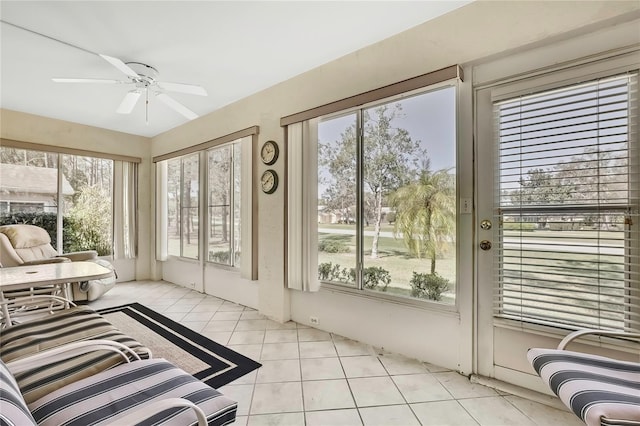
(593, 387)
(13, 409)
(110, 395)
(71, 325)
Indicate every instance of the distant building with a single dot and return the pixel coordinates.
(27, 188)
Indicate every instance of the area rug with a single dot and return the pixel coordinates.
(206, 360)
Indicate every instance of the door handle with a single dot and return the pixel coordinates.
(485, 245)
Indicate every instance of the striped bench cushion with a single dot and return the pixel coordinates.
(59, 328)
(13, 409)
(591, 386)
(110, 395)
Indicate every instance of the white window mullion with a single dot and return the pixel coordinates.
(60, 215)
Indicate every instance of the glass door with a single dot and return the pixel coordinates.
(557, 215)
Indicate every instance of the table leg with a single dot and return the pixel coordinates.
(67, 293)
(5, 311)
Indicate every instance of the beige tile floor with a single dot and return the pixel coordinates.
(314, 378)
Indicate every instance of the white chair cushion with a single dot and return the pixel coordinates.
(14, 410)
(115, 393)
(592, 386)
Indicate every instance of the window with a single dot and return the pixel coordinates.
(183, 205)
(568, 205)
(88, 210)
(37, 186)
(224, 204)
(386, 196)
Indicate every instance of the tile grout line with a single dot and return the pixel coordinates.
(346, 379)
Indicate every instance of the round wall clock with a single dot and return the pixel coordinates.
(269, 181)
(269, 152)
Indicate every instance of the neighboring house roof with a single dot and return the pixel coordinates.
(35, 180)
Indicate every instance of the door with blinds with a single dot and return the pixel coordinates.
(559, 194)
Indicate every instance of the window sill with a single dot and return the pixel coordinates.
(390, 299)
(183, 259)
(221, 266)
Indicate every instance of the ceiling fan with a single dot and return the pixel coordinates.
(143, 77)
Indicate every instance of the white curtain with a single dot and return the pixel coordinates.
(302, 224)
(161, 210)
(125, 210)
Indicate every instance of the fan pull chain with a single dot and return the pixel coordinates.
(146, 107)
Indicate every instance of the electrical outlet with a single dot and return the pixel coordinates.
(314, 320)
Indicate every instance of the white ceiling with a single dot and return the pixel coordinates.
(231, 48)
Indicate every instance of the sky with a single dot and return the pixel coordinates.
(429, 118)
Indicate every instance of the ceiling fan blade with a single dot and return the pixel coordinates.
(85, 80)
(129, 101)
(120, 65)
(177, 106)
(191, 89)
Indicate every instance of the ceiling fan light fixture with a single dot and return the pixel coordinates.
(144, 77)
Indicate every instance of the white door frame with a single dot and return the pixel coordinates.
(497, 340)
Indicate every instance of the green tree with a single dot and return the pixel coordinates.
(426, 213)
(339, 160)
(219, 188)
(91, 218)
(590, 177)
(389, 160)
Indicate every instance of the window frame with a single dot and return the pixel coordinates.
(248, 141)
(358, 289)
(232, 146)
(179, 216)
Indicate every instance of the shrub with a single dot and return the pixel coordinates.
(428, 286)
(47, 221)
(374, 276)
(332, 246)
(78, 235)
(92, 213)
(219, 256)
(391, 217)
(329, 272)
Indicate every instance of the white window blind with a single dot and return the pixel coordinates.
(567, 205)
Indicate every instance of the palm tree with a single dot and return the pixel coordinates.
(425, 213)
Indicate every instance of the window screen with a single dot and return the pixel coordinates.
(567, 205)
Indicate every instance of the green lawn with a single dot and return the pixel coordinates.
(394, 257)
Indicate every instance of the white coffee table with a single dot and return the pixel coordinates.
(56, 274)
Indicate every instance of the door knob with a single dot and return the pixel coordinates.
(485, 224)
(485, 245)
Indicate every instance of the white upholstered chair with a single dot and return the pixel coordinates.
(601, 391)
(22, 245)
